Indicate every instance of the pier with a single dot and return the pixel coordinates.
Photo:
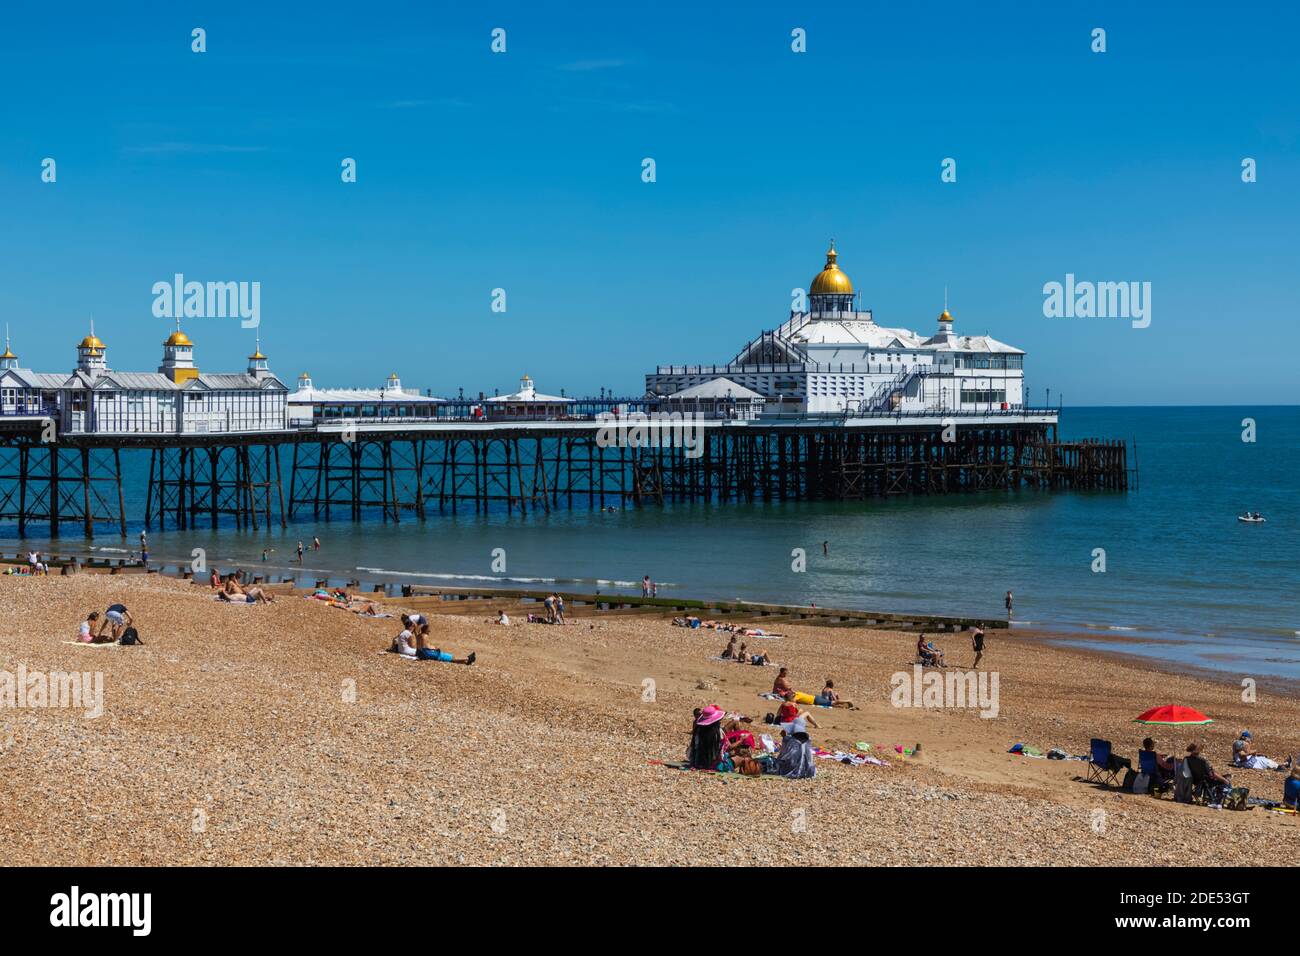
(411, 470)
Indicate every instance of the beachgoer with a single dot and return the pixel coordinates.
(707, 741)
(829, 698)
(502, 618)
(86, 633)
(1291, 786)
(654, 589)
(645, 586)
(795, 759)
(144, 556)
(760, 660)
(1164, 763)
(413, 621)
(977, 644)
(742, 655)
(781, 685)
(550, 608)
(300, 552)
(729, 652)
(425, 653)
(116, 619)
(927, 653)
(404, 643)
(1245, 755)
(214, 579)
(265, 552)
(315, 544)
(789, 711)
(1203, 773)
(1009, 603)
(559, 609)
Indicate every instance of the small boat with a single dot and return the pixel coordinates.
(1252, 519)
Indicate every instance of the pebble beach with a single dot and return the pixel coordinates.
(284, 734)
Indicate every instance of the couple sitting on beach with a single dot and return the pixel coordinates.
(829, 697)
(117, 622)
(929, 655)
(413, 642)
(722, 744)
(741, 655)
(236, 593)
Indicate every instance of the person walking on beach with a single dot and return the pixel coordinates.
(300, 552)
(315, 543)
(1009, 605)
(654, 589)
(977, 644)
(144, 555)
(645, 586)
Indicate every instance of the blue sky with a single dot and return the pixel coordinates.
(522, 171)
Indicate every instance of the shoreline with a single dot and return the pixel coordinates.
(1067, 635)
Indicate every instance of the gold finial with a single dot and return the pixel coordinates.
(831, 256)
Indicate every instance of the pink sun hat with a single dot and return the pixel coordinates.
(709, 715)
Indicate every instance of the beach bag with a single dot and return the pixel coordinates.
(1130, 777)
(1236, 799)
(131, 636)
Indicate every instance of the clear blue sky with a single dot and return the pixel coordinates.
(522, 171)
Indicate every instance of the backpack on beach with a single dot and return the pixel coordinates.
(130, 636)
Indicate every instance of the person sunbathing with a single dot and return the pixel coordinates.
(829, 698)
(742, 655)
(781, 685)
(790, 711)
(425, 653)
(760, 660)
(1245, 755)
(729, 651)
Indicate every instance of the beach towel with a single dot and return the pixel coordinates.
(768, 743)
(770, 696)
(84, 644)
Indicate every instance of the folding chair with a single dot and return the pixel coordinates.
(1099, 769)
(1147, 764)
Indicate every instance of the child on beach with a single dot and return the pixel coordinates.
(977, 644)
(502, 618)
(86, 633)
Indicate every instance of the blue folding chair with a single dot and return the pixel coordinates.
(1099, 769)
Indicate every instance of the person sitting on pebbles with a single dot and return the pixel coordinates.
(86, 633)
(425, 653)
(781, 686)
(502, 618)
(829, 698)
(789, 711)
(729, 652)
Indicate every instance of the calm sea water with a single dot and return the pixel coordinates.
(1178, 564)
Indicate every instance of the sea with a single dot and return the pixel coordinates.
(1165, 571)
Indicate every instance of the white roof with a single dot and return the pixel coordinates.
(363, 396)
(971, 343)
(855, 332)
(529, 395)
(716, 388)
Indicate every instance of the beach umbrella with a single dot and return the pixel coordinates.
(1172, 715)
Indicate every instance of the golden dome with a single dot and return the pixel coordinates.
(944, 316)
(178, 338)
(256, 356)
(91, 342)
(831, 281)
(8, 354)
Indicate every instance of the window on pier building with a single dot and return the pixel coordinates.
(974, 396)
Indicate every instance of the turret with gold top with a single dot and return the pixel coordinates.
(8, 360)
(257, 366)
(831, 292)
(178, 357)
(92, 354)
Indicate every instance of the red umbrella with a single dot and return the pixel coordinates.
(1172, 715)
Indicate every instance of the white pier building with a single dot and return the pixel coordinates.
(177, 399)
(834, 357)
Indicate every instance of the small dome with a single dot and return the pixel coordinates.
(91, 342)
(944, 316)
(8, 354)
(831, 281)
(178, 338)
(259, 357)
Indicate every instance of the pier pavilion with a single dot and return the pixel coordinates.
(833, 356)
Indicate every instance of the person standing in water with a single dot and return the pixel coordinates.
(1008, 604)
(300, 552)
